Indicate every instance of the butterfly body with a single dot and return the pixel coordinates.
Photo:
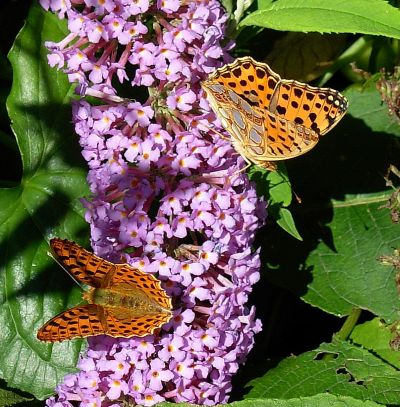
(125, 298)
(122, 301)
(270, 118)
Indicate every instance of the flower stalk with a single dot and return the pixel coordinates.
(168, 196)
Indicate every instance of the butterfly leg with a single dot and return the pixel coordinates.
(218, 133)
(270, 166)
(242, 170)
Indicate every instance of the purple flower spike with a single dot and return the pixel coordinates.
(168, 197)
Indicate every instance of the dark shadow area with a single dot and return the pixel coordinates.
(30, 233)
(3, 386)
(290, 327)
(12, 16)
(50, 119)
(349, 160)
(65, 144)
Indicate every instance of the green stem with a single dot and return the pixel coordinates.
(348, 325)
(349, 55)
(346, 329)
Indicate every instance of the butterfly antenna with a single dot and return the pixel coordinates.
(65, 269)
(298, 199)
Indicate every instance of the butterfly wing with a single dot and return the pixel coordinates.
(106, 277)
(271, 119)
(97, 272)
(259, 138)
(77, 322)
(126, 323)
(284, 139)
(253, 81)
(242, 105)
(126, 277)
(93, 319)
(318, 109)
(85, 266)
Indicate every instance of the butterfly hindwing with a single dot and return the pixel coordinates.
(128, 277)
(122, 322)
(259, 139)
(285, 139)
(77, 322)
(93, 319)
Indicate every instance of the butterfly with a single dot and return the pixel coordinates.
(122, 301)
(270, 118)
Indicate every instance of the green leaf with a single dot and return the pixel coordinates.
(44, 204)
(340, 368)
(375, 17)
(286, 222)
(275, 186)
(280, 196)
(320, 400)
(336, 268)
(280, 190)
(376, 336)
(304, 56)
(345, 269)
(9, 398)
(261, 4)
(366, 105)
(228, 6)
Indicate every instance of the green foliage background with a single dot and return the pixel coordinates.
(323, 297)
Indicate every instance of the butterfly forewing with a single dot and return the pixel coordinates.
(82, 264)
(318, 109)
(270, 119)
(253, 81)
